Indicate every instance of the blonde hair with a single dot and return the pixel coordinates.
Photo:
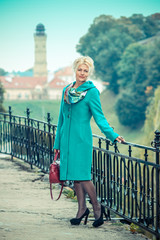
(84, 60)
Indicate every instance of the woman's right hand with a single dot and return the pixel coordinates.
(56, 150)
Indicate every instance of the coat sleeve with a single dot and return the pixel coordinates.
(96, 110)
(60, 122)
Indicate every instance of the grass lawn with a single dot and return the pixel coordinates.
(38, 108)
(108, 101)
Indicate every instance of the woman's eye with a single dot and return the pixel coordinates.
(80, 70)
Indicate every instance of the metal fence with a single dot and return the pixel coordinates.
(126, 185)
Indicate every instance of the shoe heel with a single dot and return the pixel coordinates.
(99, 221)
(86, 218)
(105, 214)
(77, 221)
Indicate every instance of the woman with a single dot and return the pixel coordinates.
(81, 101)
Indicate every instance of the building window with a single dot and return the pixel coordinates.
(26, 96)
(19, 95)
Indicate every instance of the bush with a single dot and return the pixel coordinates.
(131, 110)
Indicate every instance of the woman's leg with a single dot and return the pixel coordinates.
(89, 188)
(81, 197)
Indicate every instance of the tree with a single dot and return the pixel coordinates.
(152, 122)
(149, 25)
(139, 75)
(152, 64)
(105, 43)
(107, 39)
(131, 109)
(2, 72)
(122, 59)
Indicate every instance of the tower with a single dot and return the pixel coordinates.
(40, 63)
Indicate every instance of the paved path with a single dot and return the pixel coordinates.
(28, 213)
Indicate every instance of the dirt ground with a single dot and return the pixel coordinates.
(28, 213)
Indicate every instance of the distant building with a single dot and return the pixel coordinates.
(31, 88)
(24, 88)
(40, 63)
(66, 74)
(55, 88)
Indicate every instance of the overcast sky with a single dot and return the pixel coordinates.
(65, 22)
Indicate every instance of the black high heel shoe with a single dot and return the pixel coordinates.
(100, 221)
(76, 221)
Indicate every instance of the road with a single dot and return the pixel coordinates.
(28, 213)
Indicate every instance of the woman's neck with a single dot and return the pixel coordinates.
(77, 84)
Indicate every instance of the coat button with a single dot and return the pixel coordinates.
(68, 116)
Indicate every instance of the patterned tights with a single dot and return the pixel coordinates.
(81, 188)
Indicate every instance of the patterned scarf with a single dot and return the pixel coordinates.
(71, 95)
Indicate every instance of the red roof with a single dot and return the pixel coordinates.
(57, 83)
(67, 71)
(22, 82)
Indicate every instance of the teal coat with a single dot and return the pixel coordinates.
(74, 135)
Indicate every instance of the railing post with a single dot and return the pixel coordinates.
(157, 146)
(28, 133)
(50, 140)
(10, 122)
(108, 185)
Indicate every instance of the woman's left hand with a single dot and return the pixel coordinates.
(120, 139)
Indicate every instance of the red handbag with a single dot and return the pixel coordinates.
(54, 174)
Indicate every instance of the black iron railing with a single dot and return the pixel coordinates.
(126, 185)
(28, 139)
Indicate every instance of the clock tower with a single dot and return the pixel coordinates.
(40, 63)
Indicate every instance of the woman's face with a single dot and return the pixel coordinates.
(82, 73)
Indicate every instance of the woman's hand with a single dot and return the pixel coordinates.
(56, 150)
(120, 139)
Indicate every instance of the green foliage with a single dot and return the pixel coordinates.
(131, 106)
(122, 60)
(38, 108)
(140, 65)
(132, 61)
(107, 39)
(136, 229)
(138, 70)
(2, 72)
(152, 64)
(148, 25)
(152, 121)
(105, 43)
(69, 193)
(131, 110)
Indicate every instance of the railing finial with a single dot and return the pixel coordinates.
(28, 112)
(156, 142)
(48, 118)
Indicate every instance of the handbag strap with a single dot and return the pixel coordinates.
(57, 155)
(59, 193)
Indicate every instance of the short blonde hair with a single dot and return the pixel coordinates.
(84, 60)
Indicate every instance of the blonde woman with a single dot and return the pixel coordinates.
(81, 101)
